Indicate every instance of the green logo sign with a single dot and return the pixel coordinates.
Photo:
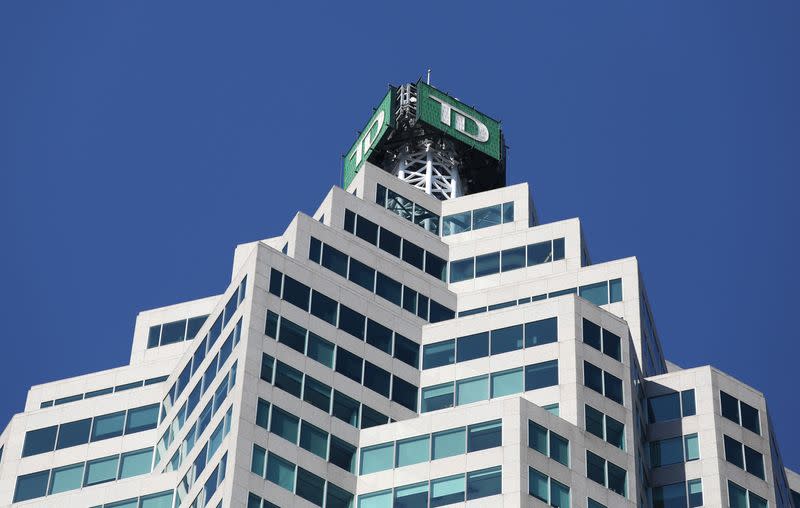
(458, 120)
(373, 132)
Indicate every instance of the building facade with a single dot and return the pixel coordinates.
(421, 340)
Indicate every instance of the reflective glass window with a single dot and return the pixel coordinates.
(377, 458)
(449, 490)
(39, 441)
(437, 397)
(687, 401)
(280, 472)
(481, 436)
(670, 496)
(507, 382)
(473, 346)
(613, 387)
(541, 375)
(262, 413)
(409, 300)
(310, 487)
(270, 329)
(31, 486)
(362, 275)
(427, 219)
(538, 485)
(406, 350)
(413, 451)
(345, 408)
(559, 448)
(558, 249)
(342, 454)
(617, 479)
(449, 443)
(737, 496)
(612, 345)
(594, 421)
(296, 292)
(324, 307)
(695, 488)
(315, 246)
(317, 394)
(314, 440)
(487, 264)
(692, 447)
(101, 470)
(615, 290)
(76, 433)
(487, 482)
(108, 426)
(66, 478)
(595, 293)
(539, 253)
(332, 259)
(749, 416)
(507, 339)
(664, 407)
(381, 499)
(508, 212)
(537, 437)
(288, 379)
(292, 335)
(135, 463)
(371, 418)
(267, 367)
(160, 500)
(756, 501)
(615, 432)
(456, 223)
(404, 393)
(173, 332)
(436, 266)
(540, 332)
(389, 289)
(592, 335)
(472, 390)
(462, 269)
(486, 217)
(593, 377)
(595, 468)
(666, 452)
(284, 424)
(438, 354)
(320, 349)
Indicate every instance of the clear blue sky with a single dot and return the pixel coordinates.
(141, 141)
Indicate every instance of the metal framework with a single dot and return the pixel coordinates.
(430, 166)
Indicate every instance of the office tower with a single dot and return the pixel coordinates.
(420, 340)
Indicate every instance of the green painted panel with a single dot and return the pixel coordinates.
(369, 137)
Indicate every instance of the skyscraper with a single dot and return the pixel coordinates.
(421, 340)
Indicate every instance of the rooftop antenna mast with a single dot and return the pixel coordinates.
(428, 80)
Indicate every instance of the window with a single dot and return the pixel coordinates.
(280, 472)
(605, 473)
(379, 336)
(507, 382)
(284, 424)
(670, 496)
(296, 293)
(342, 454)
(541, 375)
(101, 471)
(345, 408)
(487, 264)
(668, 407)
(449, 443)
(337, 497)
(409, 300)
(74, 433)
(473, 346)
(372, 418)
(143, 418)
(288, 379)
(484, 435)
(377, 379)
(351, 322)
(367, 230)
(506, 339)
(314, 440)
(390, 242)
(412, 451)
(483, 483)
(262, 413)
(404, 393)
(486, 217)
(317, 394)
(463, 269)
(666, 452)
(39, 441)
(436, 266)
(540, 332)
(135, 463)
(362, 275)
(437, 397)
(438, 354)
(381, 499)
(449, 490)
(547, 489)
(739, 412)
(411, 496)
(332, 259)
(389, 289)
(456, 223)
(267, 367)
(320, 350)
(406, 350)
(31, 486)
(377, 458)
(612, 386)
(595, 293)
(602, 382)
(744, 457)
(324, 308)
(66, 478)
(413, 254)
(472, 390)
(539, 253)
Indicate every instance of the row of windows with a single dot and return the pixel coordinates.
(607, 474)
(602, 340)
(206, 453)
(600, 293)
(739, 497)
(346, 319)
(547, 489)
(80, 432)
(342, 361)
(103, 391)
(604, 427)
(674, 450)
(303, 483)
(195, 431)
(319, 394)
(395, 245)
(301, 433)
(213, 482)
(548, 443)
(174, 332)
(493, 342)
(158, 500)
(373, 281)
(739, 412)
(671, 406)
(438, 492)
(201, 387)
(744, 457)
(688, 494)
(498, 384)
(83, 474)
(447, 443)
(506, 260)
(205, 346)
(602, 382)
(407, 209)
(478, 219)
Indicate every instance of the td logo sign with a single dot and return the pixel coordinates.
(479, 132)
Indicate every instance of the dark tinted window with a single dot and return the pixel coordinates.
(379, 336)
(541, 375)
(750, 418)
(613, 387)
(342, 454)
(293, 335)
(267, 365)
(413, 254)
(142, 418)
(324, 307)
(39, 441)
(513, 258)
(288, 379)
(317, 394)
(372, 418)
(108, 426)
(345, 408)
(487, 264)
(348, 364)
(349, 221)
(506, 339)
(377, 379)
(436, 266)
(404, 393)
(351, 322)
(362, 275)
(390, 242)
(275, 282)
(484, 435)
(540, 332)
(730, 407)
(31, 486)
(406, 350)
(592, 377)
(320, 349)
(75, 433)
(558, 249)
(539, 253)
(389, 289)
(367, 230)
(439, 312)
(271, 328)
(334, 260)
(592, 334)
(463, 269)
(438, 354)
(173, 332)
(473, 346)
